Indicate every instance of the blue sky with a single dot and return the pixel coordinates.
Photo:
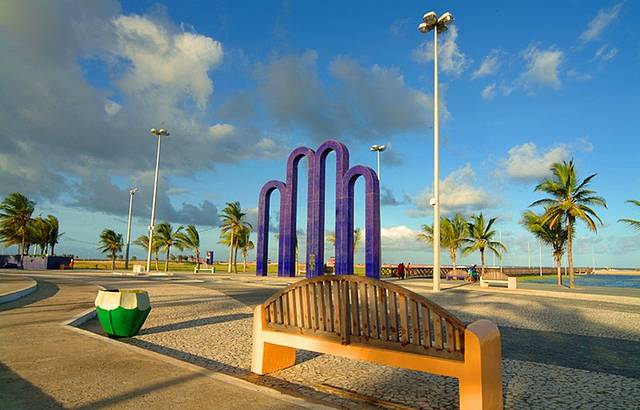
(239, 85)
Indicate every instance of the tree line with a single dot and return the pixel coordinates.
(17, 227)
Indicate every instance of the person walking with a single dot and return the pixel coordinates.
(401, 270)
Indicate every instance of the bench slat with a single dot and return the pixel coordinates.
(344, 313)
(354, 311)
(373, 309)
(393, 313)
(404, 320)
(383, 316)
(364, 310)
(328, 314)
(335, 296)
(437, 331)
(318, 323)
(415, 323)
(450, 342)
(426, 327)
(306, 322)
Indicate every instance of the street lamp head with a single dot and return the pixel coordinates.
(163, 132)
(374, 147)
(430, 18)
(382, 148)
(444, 21)
(133, 190)
(154, 131)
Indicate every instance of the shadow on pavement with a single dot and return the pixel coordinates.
(195, 323)
(18, 393)
(45, 290)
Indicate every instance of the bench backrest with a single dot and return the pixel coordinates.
(494, 274)
(355, 309)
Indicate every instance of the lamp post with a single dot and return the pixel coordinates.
(158, 133)
(431, 21)
(378, 149)
(132, 192)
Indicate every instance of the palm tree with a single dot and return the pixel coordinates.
(570, 200)
(15, 213)
(453, 233)
(481, 238)
(190, 239)
(110, 242)
(166, 238)
(634, 223)
(232, 222)
(38, 233)
(357, 238)
(556, 237)
(143, 242)
(54, 232)
(245, 244)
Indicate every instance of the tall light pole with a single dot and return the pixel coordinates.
(158, 133)
(430, 21)
(132, 192)
(378, 149)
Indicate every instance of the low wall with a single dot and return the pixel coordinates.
(46, 262)
(9, 261)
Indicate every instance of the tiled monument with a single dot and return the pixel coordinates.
(345, 182)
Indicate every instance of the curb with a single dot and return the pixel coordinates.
(20, 293)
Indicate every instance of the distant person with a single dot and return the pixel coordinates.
(401, 270)
(408, 269)
(473, 274)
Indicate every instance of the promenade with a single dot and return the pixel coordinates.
(560, 349)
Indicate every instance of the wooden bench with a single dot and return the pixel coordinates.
(369, 319)
(497, 277)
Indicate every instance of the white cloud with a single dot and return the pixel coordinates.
(600, 22)
(112, 107)
(221, 131)
(542, 67)
(605, 53)
(400, 238)
(178, 63)
(489, 91)
(457, 193)
(526, 164)
(450, 58)
(489, 66)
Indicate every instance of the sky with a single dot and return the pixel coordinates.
(239, 85)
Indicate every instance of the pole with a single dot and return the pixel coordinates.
(593, 260)
(540, 251)
(436, 169)
(153, 207)
(529, 252)
(380, 184)
(126, 257)
(500, 233)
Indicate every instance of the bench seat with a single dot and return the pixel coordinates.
(369, 319)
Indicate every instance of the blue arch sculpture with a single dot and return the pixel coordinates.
(345, 181)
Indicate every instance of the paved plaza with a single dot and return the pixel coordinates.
(559, 350)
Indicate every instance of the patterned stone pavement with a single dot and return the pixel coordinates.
(556, 353)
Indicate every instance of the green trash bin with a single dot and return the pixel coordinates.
(122, 312)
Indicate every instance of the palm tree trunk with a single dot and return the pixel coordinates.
(197, 258)
(559, 268)
(570, 253)
(482, 261)
(156, 255)
(235, 260)
(166, 261)
(113, 261)
(453, 254)
(230, 251)
(244, 256)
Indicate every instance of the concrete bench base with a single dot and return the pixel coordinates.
(511, 282)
